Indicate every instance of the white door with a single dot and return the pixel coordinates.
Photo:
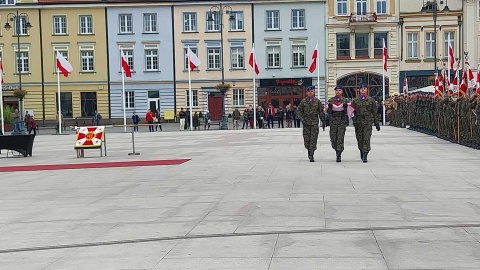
(153, 104)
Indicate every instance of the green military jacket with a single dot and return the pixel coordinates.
(337, 102)
(365, 111)
(310, 111)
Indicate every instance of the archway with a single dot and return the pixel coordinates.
(351, 82)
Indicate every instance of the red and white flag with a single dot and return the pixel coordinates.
(440, 82)
(63, 65)
(1, 70)
(313, 65)
(385, 56)
(462, 90)
(252, 61)
(451, 57)
(478, 76)
(438, 92)
(193, 60)
(405, 86)
(470, 79)
(125, 66)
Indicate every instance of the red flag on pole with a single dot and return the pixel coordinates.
(252, 60)
(313, 65)
(1, 70)
(385, 56)
(451, 57)
(125, 66)
(63, 65)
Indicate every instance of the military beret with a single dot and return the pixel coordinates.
(338, 87)
(311, 87)
(362, 85)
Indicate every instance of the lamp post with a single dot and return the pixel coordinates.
(20, 21)
(431, 6)
(221, 10)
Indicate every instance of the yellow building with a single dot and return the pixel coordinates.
(191, 29)
(76, 31)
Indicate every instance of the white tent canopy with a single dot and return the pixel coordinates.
(429, 90)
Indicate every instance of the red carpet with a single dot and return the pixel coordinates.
(68, 166)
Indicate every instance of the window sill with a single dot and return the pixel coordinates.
(362, 57)
(190, 32)
(273, 30)
(22, 73)
(55, 73)
(302, 67)
(59, 35)
(150, 33)
(241, 69)
(87, 72)
(378, 56)
(195, 70)
(215, 31)
(151, 71)
(213, 69)
(428, 60)
(413, 61)
(27, 35)
(131, 71)
(242, 30)
(86, 34)
(267, 68)
(298, 29)
(344, 58)
(126, 34)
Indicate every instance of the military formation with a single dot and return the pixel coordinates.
(311, 111)
(454, 119)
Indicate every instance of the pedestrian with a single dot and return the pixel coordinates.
(158, 120)
(236, 117)
(337, 109)
(310, 110)
(97, 118)
(181, 117)
(365, 116)
(149, 118)
(135, 120)
(32, 125)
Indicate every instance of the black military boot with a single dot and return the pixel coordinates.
(339, 156)
(311, 156)
(365, 154)
(361, 154)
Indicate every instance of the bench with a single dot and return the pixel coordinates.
(22, 143)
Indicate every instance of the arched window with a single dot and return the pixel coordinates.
(373, 81)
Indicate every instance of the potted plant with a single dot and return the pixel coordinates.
(8, 117)
(223, 87)
(19, 93)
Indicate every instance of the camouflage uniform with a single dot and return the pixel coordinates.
(310, 110)
(338, 124)
(365, 116)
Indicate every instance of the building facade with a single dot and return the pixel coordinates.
(143, 32)
(422, 52)
(471, 31)
(356, 31)
(223, 52)
(285, 36)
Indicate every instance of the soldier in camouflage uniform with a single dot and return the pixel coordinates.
(337, 109)
(365, 116)
(310, 110)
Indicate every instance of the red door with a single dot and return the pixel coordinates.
(215, 107)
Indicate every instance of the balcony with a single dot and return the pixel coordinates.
(362, 18)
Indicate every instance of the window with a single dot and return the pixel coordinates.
(429, 45)
(378, 39)
(86, 24)
(381, 6)
(21, 28)
(238, 97)
(87, 60)
(22, 61)
(213, 25)
(59, 25)
(361, 45)
(125, 23)
(273, 20)
(412, 46)
(237, 24)
(342, 7)
(298, 19)
(189, 22)
(194, 97)
(343, 45)
(128, 53)
(361, 6)
(194, 50)
(129, 100)
(237, 56)
(298, 53)
(88, 103)
(449, 40)
(150, 23)
(66, 104)
(151, 58)
(213, 57)
(7, 2)
(273, 54)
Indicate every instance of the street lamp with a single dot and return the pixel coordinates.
(221, 10)
(20, 21)
(431, 6)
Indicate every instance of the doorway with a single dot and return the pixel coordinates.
(153, 104)
(215, 106)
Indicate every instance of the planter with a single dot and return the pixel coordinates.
(8, 127)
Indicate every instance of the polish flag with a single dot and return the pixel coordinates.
(438, 92)
(405, 86)
(451, 57)
(440, 82)
(470, 79)
(462, 91)
(63, 65)
(385, 56)
(252, 60)
(313, 65)
(478, 76)
(1, 70)
(193, 60)
(125, 66)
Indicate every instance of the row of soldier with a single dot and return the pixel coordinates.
(453, 119)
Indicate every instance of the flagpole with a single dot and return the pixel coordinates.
(254, 90)
(59, 104)
(383, 82)
(123, 96)
(318, 75)
(1, 101)
(449, 65)
(190, 98)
